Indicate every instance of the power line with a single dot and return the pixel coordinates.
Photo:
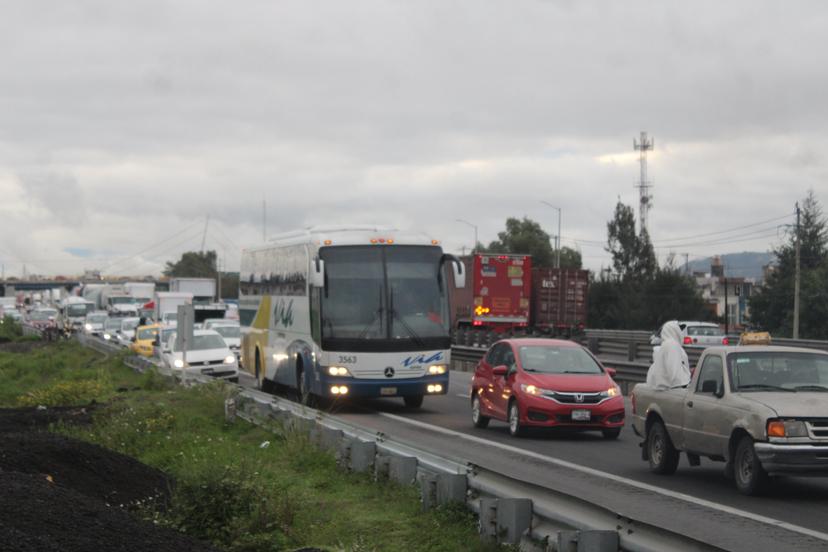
(729, 230)
(151, 247)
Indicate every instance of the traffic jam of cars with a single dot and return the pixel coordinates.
(759, 409)
(126, 315)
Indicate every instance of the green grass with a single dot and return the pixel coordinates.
(230, 489)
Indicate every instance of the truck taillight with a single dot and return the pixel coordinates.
(725, 341)
(688, 341)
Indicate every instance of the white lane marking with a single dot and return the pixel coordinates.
(462, 396)
(617, 478)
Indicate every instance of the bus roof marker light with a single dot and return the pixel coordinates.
(327, 242)
(435, 242)
(373, 240)
(389, 241)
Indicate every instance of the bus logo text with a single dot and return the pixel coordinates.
(284, 312)
(422, 359)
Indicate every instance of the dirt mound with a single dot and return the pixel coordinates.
(25, 419)
(36, 515)
(86, 468)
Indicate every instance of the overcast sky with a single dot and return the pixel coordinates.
(124, 124)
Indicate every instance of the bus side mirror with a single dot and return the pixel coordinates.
(317, 275)
(458, 269)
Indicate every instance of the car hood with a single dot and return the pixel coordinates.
(207, 355)
(233, 341)
(802, 404)
(575, 383)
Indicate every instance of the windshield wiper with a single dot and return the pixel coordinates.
(811, 387)
(377, 316)
(578, 372)
(764, 386)
(417, 339)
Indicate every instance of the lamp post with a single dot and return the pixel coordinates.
(474, 248)
(558, 237)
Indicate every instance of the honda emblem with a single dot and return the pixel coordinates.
(579, 397)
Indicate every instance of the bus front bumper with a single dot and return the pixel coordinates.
(375, 388)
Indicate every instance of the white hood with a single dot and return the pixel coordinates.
(670, 367)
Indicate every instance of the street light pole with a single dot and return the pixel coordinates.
(474, 249)
(558, 237)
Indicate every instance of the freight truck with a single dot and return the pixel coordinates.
(508, 294)
(203, 291)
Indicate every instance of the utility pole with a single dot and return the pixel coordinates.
(644, 185)
(558, 237)
(264, 220)
(687, 263)
(474, 249)
(727, 318)
(797, 278)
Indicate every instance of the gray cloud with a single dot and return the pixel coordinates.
(145, 117)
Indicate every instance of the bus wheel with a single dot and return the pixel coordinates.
(413, 401)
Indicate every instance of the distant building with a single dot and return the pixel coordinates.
(725, 295)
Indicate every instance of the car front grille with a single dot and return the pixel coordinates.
(817, 428)
(574, 398)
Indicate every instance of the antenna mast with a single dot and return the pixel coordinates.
(645, 197)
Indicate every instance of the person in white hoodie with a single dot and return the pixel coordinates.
(670, 367)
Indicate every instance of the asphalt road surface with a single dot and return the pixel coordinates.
(699, 502)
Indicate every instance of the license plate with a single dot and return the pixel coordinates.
(581, 415)
(388, 391)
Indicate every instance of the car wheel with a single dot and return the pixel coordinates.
(663, 456)
(751, 478)
(413, 401)
(515, 427)
(611, 433)
(477, 417)
(268, 386)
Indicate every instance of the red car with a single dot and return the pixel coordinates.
(545, 383)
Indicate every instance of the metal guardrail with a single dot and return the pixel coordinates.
(536, 517)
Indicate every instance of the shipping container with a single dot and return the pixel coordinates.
(499, 292)
(559, 299)
(504, 293)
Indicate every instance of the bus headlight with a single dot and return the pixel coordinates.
(230, 359)
(178, 363)
(340, 371)
(437, 369)
(339, 390)
(436, 388)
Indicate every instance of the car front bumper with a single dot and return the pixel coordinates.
(538, 411)
(802, 459)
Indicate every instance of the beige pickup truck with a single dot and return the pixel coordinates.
(762, 410)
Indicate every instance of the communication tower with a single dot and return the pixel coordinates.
(645, 197)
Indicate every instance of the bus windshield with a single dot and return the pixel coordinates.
(384, 298)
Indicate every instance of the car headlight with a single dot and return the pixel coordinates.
(230, 359)
(88, 327)
(340, 371)
(178, 363)
(107, 336)
(611, 392)
(437, 369)
(532, 389)
(787, 428)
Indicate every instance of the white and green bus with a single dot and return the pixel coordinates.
(357, 312)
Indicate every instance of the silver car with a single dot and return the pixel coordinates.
(702, 334)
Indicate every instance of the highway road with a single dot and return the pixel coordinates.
(698, 502)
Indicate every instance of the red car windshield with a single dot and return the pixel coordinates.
(545, 359)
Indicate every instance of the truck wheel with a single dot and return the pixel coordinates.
(751, 478)
(413, 401)
(479, 419)
(664, 457)
(611, 433)
(516, 429)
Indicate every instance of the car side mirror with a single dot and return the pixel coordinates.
(611, 371)
(500, 371)
(317, 275)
